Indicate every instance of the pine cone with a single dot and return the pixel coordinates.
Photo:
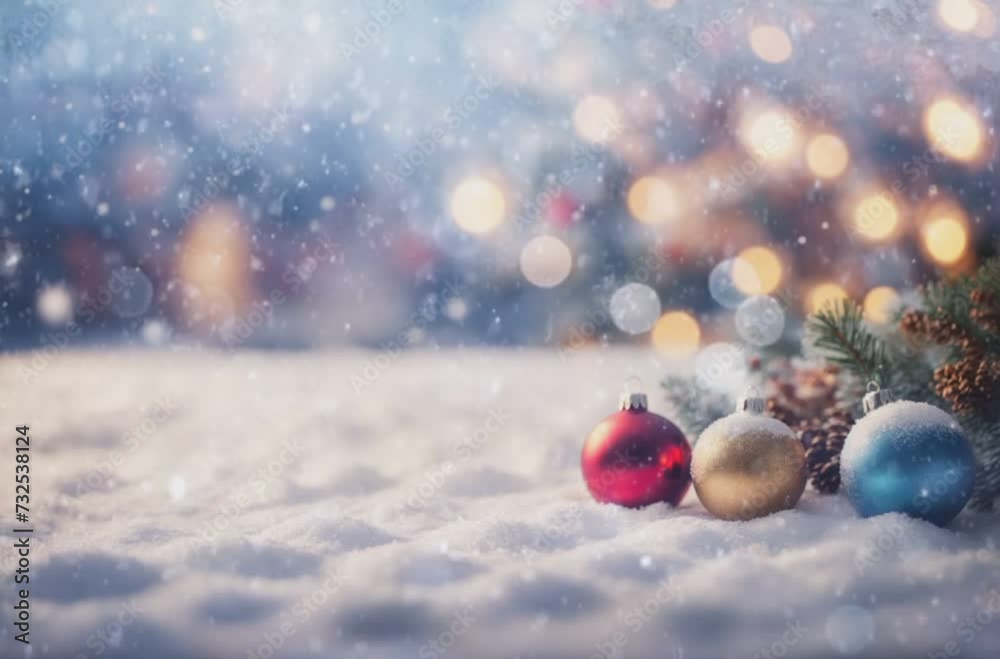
(986, 310)
(940, 331)
(970, 384)
(824, 441)
(915, 323)
(946, 332)
(798, 394)
(783, 413)
(805, 398)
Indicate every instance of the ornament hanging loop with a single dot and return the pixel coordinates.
(633, 398)
(876, 397)
(751, 402)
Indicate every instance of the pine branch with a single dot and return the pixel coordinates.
(951, 304)
(911, 374)
(986, 493)
(838, 333)
(896, 360)
(692, 407)
(951, 301)
(984, 437)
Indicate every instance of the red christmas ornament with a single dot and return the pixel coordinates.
(634, 457)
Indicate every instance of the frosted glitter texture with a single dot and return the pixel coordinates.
(748, 465)
(911, 458)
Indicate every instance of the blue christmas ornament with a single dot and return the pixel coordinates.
(907, 457)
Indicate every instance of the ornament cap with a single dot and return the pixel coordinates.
(876, 397)
(633, 400)
(751, 402)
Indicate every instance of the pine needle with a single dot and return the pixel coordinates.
(838, 333)
(951, 301)
(692, 407)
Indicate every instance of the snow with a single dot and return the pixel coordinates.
(749, 423)
(436, 512)
(902, 414)
(736, 427)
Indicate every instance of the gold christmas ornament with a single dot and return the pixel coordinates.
(748, 465)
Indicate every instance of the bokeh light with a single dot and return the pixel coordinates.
(634, 308)
(652, 200)
(953, 127)
(595, 142)
(772, 136)
(757, 271)
(546, 261)
(676, 334)
(131, 292)
(945, 239)
(214, 263)
(722, 285)
(597, 119)
(155, 332)
(55, 305)
(457, 309)
(760, 320)
(827, 156)
(770, 43)
(824, 295)
(880, 303)
(986, 21)
(959, 15)
(875, 217)
(477, 205)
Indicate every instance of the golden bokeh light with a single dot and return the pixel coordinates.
(676, 334)
(827, 156)
(652, 200)
(986, 21)
(772, 136)
(597, 119)
(875, 217)
(946, 239)
(477, 205)
(953, 127)
(214, 263)
(959, 15)
(757, 271)
(770, 43)
(880, 303)
(546, 261)
(823, 295)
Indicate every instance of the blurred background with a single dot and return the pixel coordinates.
(406, 173)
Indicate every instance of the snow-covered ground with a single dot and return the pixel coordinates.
(254, 500)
